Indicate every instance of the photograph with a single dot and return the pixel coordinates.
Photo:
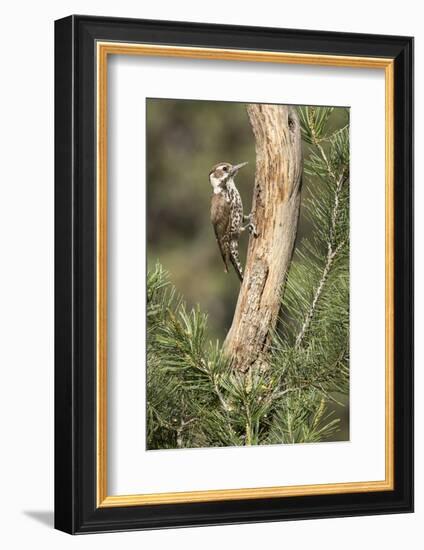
(247, 224)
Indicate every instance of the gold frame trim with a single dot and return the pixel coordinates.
(119, 48)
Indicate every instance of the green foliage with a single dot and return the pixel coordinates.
(194, 399)
(313, 122)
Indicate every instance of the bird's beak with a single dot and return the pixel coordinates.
(237, 167)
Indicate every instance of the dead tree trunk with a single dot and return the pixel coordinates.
(276, 202)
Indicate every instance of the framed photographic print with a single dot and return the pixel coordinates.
(234, 271)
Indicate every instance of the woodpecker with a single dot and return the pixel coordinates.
(227, 213)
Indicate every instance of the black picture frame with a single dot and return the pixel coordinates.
(76, 510)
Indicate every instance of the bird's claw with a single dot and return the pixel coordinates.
(253, 231)
(251, 227)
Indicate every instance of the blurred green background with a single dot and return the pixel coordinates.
(184, 140)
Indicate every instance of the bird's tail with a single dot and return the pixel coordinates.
(235, 259)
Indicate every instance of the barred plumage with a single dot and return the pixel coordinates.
(227, 213)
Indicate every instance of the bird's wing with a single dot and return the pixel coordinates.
(220, 218)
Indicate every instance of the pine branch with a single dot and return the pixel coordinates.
(332, 248)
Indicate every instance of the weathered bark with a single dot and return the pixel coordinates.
(276, 202)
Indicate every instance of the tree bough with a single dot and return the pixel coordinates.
(275, 207)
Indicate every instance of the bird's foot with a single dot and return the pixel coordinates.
(251, 225)
(252, 230)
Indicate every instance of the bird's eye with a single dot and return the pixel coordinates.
(225, 168)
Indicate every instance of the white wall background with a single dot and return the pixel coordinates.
(26, 275)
